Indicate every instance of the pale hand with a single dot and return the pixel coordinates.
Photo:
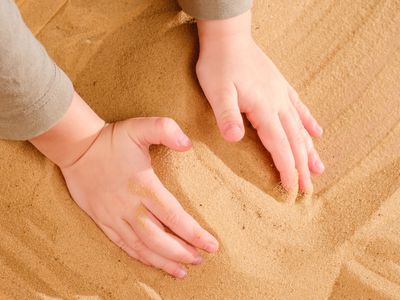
(237, 77)
(114, 183)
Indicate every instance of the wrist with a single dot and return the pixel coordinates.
(72, 135)
(225, 32)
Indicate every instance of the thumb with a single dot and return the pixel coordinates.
(224, 103)
(159, 130)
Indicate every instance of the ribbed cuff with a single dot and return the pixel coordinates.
(215, 9)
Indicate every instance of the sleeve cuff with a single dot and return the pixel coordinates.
(47, 111)
(215, 9)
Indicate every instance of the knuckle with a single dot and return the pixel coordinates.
(154, 242)
(184, 257)
(299, 136)
(296, 102)
(294, 96)
(136, 245)
(173, 217)
(282, 142)
(225, 95)
(165, 124)
(259, 95)
(197, 235)
(309, 143)
(228, 116)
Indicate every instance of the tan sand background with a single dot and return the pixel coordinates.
(136, 58)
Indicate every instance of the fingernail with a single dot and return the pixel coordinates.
(318, 129)
(319, 165)
(233, 131)
(197, 260)
(181, 273)
(184, 141)
(212, 247)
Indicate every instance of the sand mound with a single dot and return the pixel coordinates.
(136, 58)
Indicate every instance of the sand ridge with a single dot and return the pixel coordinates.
(136, 58)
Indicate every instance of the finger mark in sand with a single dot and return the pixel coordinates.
(78, 297)
(355, 279)
(150, 291)
(46, 297)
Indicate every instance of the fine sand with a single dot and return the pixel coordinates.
(136, 58)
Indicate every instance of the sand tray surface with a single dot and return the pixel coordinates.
(136, 58)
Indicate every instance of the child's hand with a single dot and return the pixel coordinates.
(236, 76)
(114, 183)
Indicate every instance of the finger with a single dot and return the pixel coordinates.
(294, 131)
(130, 239)
(275, 141)
(224, 102)
(163, 205)
(117, 240)
(314, 162)
(171, 267)
(159, 130)
(307, 119)
(149, 231)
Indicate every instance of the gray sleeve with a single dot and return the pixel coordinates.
(34, 92)
(215, 9)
